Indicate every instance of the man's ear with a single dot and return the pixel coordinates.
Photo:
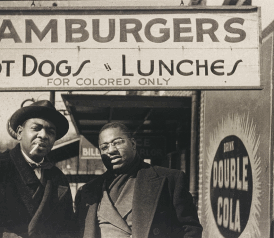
(19, 132)
(133, 141)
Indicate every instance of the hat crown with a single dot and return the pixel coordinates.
(41, 109)
(42, 103)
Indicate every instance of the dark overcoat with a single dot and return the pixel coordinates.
(28, 207)
(161, 206)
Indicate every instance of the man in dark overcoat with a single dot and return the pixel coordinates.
(134, 199)
(35, 197)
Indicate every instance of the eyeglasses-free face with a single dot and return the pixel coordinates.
(37, 131)
(117, 150)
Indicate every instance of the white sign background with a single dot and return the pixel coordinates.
(129, 62)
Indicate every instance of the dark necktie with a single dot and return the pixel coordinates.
(44, 165)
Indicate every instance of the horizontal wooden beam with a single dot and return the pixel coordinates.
(104, 101)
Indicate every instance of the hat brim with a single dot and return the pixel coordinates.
(25, 113)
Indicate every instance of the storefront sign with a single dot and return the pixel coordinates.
(231, 187)
(123, 49)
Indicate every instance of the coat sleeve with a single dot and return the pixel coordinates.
(185, 211)
(4, 166)
(2, 209)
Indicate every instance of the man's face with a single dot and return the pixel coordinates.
(36, 131)
(116, 158)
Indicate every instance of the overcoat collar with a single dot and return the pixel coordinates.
(26, 172)
(52, 192)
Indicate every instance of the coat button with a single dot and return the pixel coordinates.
(156, 231)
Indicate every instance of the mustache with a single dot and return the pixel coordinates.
(110, 157)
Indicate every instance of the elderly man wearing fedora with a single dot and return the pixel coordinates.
(35, 198)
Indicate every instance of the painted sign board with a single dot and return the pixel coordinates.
(87, 150)
(235, 196)
(146, 48)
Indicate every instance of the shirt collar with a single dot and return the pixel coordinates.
(29, 160)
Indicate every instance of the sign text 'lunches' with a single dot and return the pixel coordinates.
(142, 50)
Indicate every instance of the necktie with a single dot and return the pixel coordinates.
(44, 165)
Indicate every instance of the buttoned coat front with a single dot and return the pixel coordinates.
(162, 206)
(28, 207)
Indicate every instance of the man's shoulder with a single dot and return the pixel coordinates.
(93, 182)
(57, 173)
(6, 164)
(4, 158)
(54, 169)
(173, 177)
(4, 155)
(90, 189)
(163, 171)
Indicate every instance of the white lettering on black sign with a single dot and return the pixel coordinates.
(231, 187)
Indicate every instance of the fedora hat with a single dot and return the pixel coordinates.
(41, 109)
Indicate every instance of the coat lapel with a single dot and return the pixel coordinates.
(124, 201)
(25, 179)
(108, 213)
(26, 173)
(52, 196)
(148, 187)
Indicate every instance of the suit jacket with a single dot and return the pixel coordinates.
(28, 207)
(161, 206)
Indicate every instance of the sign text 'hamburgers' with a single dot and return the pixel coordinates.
(124, 49)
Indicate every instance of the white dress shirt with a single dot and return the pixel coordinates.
(37, 171)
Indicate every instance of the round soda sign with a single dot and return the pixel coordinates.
(231, 187)
(232, 181)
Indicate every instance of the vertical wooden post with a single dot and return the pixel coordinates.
(193, 186)
(52, 97)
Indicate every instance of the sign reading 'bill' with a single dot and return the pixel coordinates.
(122, 49)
